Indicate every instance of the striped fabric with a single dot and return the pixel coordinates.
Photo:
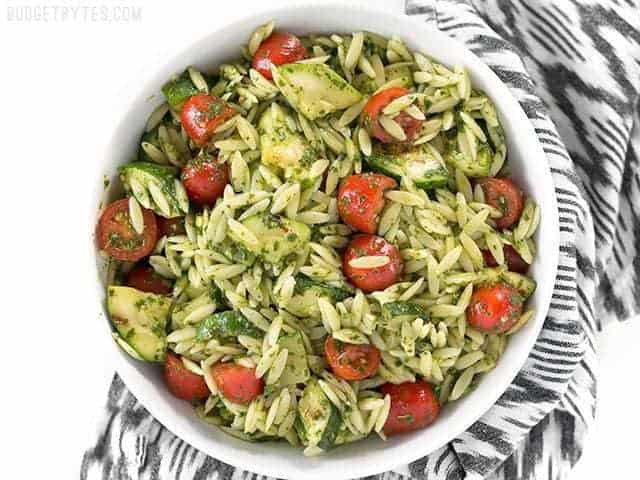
(578, 63)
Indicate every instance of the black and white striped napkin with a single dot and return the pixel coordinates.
(574, 66)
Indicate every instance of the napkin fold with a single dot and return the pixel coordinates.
(574, 66)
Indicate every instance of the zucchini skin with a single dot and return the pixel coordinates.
(164, 176)
(307, 291)
(396, 166)
(148, 137)
(315, 90)
(318, 421)
(140, 319)
(226, 324)
(328, 440)
(284, 149)
(162, 172)
(480, 167)
(395, 309)
(303, 282)
(179, 89)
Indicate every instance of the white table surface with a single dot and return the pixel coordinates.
(58, 79)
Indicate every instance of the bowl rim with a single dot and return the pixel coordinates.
(135, 380)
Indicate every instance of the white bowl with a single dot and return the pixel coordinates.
(530, 171)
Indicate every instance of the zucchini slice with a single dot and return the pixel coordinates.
(307, 291)
(314, 89)
(152, 137)
(227, 324)
(282, 148)
(417, 163)
(297, 368)
(140, 319)
(479, 167)
(180, 88)
(211, 295)
(318, 419)
(156, 187)
(277, 236)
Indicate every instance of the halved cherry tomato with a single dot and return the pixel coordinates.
(361, 199)
(503, 194)
(116, 236)
(373, 109)
(376, 278)
(494, 309)
(145, 279)
(237, 383)
(183, 383)
(279, 48)
(170, 226)
(413, 406)
(204, 180)
(202, 114)
(349, 361)
(514, 261)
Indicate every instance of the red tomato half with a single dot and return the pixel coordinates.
(349, 361)
(377, 278)
(145, 279)
(237, 383)
(361, 199)
(116, 236)
(494, 309)
(503, 194)
(514, 261)
(204, 180)
(278, 49)
(170, 226)
(373, 109)
(183, 383)
(413, 406)
(202, 114)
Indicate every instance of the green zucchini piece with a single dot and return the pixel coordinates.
(394, 309)
(417, 163)
(156, 187)
(297, 368)
(179, 89)
(288, 151)
(314, 89)
(152, 138)
(227, 324)
(210, 295)
(140, 319)
(278, 236)
(307, 291)
(479, 167)
(304, 283)
(319, 419)
(525, 285)
(236, 252)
